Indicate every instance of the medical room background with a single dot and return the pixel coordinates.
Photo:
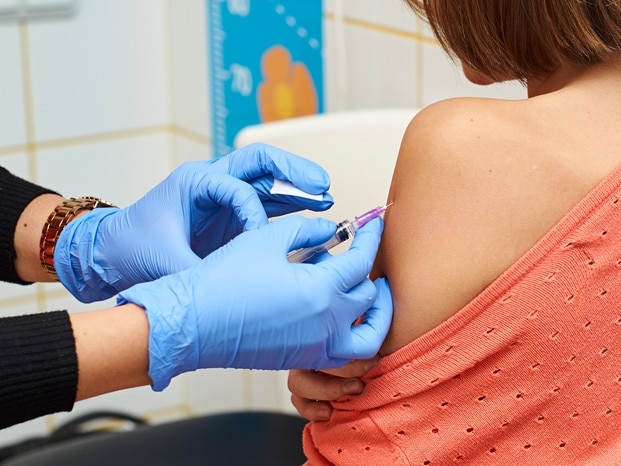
(106, 97)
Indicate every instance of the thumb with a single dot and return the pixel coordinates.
(354, 265)
(368, 336)
(262, 159)
(300, 232)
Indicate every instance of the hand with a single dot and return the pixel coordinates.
(246, 306)
(311, 391)
(197, 209)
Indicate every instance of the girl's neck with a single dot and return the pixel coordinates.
(569, 74)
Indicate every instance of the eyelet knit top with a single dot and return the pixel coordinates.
(529, 372)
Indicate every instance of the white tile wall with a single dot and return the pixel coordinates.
(118, 170)
(392, 15)
(191, 148)
(118, 92)
(17, 300)
(16, 162)
(442, 79)
(12, 128)
(189, 66)
(105, 69)
(356, 79)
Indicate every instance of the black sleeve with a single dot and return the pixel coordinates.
(15, 195)
(38, 366)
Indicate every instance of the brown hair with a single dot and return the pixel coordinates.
(521, 39)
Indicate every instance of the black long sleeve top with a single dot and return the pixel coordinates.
(38, 361)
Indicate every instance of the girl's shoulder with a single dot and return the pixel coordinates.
(471, 121)
(476, 184)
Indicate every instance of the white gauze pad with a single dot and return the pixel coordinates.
(287, 189)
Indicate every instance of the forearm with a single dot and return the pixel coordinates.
(15, 197)
(112, 349)
(28, 236)
(50, 360)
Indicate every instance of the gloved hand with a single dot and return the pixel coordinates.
(197, 209)
(246, 306)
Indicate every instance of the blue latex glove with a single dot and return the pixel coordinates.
(199, 207)
(246, 306)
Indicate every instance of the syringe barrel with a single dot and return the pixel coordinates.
(344, 231)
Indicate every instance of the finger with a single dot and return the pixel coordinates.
(368, 336)
(313, 410)
(353, 266)
(321, 386)
(257, 160)
(228, 191)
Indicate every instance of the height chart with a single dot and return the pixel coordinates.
(265, 60)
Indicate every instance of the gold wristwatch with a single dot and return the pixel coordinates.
(58, 219)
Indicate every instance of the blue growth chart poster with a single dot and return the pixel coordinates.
(266, 64)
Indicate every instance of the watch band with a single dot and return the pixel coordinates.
(58, 219)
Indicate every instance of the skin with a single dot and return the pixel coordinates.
(538, 156)
(27, 237)
(311, 391)
(120, 333)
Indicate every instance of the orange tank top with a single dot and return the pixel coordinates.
(529, 372)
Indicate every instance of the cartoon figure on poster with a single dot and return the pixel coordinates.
(287, 89)
(266, 63)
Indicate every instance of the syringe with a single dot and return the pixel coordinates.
(345, 230)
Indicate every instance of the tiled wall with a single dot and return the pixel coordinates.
(107, 101)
